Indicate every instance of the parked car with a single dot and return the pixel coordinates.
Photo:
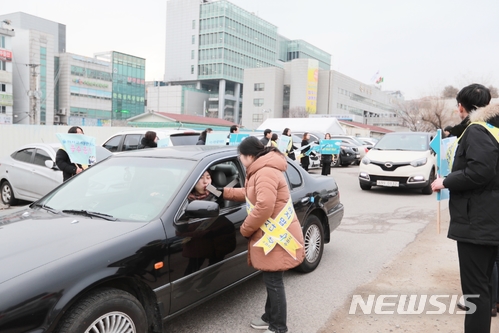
(130, 140)
(367, 140)
(362, 147)
(30, 172)
(119, 244)
(401, 159)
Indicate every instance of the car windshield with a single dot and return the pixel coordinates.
(123, 188)
(416, 142)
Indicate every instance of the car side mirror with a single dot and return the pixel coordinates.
(201, 208)
(51, 165)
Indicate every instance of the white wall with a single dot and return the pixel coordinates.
(14, 136)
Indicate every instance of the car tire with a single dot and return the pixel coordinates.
(427, 189)
(7, 194)
(336, 162)
(365, 187)
(313, 235)
(104, 309)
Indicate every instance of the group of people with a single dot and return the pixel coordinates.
(473, 184)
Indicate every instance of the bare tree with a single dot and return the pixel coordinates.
(298, 112)
(450, 92)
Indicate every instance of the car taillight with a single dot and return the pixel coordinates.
(366, 150)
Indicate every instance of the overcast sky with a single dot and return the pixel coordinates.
(418, 46)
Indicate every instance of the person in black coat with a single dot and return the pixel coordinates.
(326, 159)
(202, 137)
(63, 161)
(305, 159)
(474, 190)
(149, 140)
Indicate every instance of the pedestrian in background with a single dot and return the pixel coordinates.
(266, 190)
(326, 159)
(63, 162)
(273, 140)
(202, 136)
(305, 159)
(150, 140)
(447, 131)
(474, 189)
(233, 129)
(291, 147)
(267, 136)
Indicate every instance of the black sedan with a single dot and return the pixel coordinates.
(119, 248)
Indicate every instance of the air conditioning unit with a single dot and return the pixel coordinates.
(62, 111)
(57, 119)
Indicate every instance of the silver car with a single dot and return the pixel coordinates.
(30, 172)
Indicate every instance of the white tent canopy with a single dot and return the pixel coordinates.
(318, 125)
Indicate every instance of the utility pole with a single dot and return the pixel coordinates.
(33, 93)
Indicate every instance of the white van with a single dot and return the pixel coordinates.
(130, 140)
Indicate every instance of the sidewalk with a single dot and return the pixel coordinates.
(428, 266)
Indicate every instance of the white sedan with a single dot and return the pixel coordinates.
(30, 172)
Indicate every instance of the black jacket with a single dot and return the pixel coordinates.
(474, 183)
(146, 143)
(65, 165)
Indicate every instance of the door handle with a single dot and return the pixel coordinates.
(305, 200)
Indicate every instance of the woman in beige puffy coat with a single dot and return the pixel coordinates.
(267, 194)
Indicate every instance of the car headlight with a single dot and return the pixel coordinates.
(419, 162)
(366, 161)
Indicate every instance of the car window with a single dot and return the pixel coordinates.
(293, 176)
(357, 141)
(129, 189)
(23, 155)
(131, 142)
(184, 139)
(113, 143)
(41, 156)
(402, 141)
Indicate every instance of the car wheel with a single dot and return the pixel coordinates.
(336, 162)
(313, 235)
(365, 187)
(427, 189)
(105, 310)
(7, 194)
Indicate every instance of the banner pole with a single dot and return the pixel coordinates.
(438, 217)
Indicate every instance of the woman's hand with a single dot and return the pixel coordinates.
(438, 184)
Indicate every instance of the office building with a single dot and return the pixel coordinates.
(209, 44)
(6, 97)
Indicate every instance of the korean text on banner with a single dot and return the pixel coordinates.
(236, 138)
(216, 139)
(330, 147)
(79, 147)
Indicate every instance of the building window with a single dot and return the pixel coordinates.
(192, 54)
(258, 101)
(3, 66)
(258, 118)
(193, 24)
(3, 87)
(193, 39)
(3, 109)
(2, 41)
(259, 86)
(192, 69)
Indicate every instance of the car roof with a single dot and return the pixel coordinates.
(410, 133)
(158, 130)
(192, 152)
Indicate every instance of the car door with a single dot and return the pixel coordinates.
(210, 253)
(131, 142)
(20, 172)
(113, 144)
(43, 179)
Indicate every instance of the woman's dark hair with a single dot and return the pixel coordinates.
(448, 128)
(274, 137)
(304, 136)
(150, 135)
(74, 129)
(285, 132)
(203, 134)
(325, 135)
(251, 146)
(474, 96)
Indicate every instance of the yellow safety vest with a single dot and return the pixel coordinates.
(275, 230)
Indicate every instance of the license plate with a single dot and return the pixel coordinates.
(387, 183)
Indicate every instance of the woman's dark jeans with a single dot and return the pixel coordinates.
(275, 306)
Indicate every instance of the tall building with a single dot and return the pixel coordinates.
(209, 44)
(36, 44)
(6, 98)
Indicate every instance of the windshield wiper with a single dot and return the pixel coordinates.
(90, 214)
(47, 208)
